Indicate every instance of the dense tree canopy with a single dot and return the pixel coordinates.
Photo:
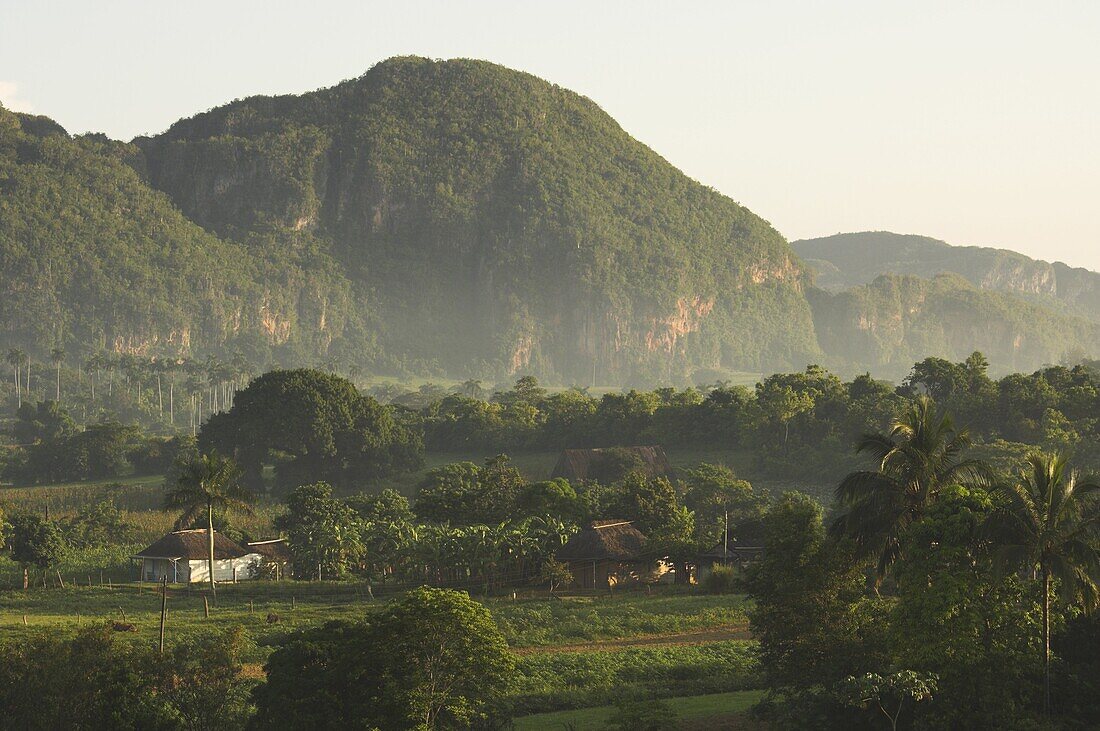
(432, 660)
(312, 426)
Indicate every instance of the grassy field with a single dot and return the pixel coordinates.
(713, 706)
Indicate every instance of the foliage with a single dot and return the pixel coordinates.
(922, 453)
(954, 617)
(55, 450)
(323, 533)
(720, 580)
(97, 524)
(888, 693)
(36, 541)
(1049, 521)
(94, 680)
(552, 681)
(319, 424)
(433, 660)
(809, 615)
(642, 715)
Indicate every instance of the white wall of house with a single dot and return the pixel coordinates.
(223, 568)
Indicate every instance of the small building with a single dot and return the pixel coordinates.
(604, 465)
(606, 553)
(184, 557)
(275, 559)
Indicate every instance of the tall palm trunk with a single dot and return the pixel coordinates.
(1046, 642)
(210, 544)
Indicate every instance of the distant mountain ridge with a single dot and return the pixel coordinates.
(460, 219)
(855, 259)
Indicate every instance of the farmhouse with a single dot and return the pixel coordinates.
(183, 556)
(606, 465)
(606, 553)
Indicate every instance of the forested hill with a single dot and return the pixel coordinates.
(432, 218)
(855, 259)
(491, 221)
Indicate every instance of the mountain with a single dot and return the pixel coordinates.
(896, 320)
(93, 258)
(439, 217)
(457, 218)
(854, 259)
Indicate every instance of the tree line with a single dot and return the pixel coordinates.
(939, 592)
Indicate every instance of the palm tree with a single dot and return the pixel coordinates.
(922, 453)
(1048, 522)
(210, 481)
(16, 358)
(57, 357)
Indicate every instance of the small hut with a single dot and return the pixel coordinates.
(604, 553)
(275, 558)
(184, 556)
(576, 465)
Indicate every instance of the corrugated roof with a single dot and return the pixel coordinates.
(274, 549)
(192, 544)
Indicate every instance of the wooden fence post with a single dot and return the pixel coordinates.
(163, 609)
(205, 606)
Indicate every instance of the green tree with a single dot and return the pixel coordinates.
(888, 693)
(954, 617)
(36, 542)
(435, 659)
(323, 426)
(322, 532)
(1049, 522)
(208, 483)
(809, 615)
(719, 500)
(922, 453)
(554, 573)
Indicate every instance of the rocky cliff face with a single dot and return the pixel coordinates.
(897, 320)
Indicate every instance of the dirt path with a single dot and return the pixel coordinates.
(697, 637)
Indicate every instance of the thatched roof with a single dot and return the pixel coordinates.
(274, 549)
(192, 544)
(614, 540)
(587, 464)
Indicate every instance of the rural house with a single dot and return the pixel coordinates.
(607, 465)
(183, 556)
(604, 554)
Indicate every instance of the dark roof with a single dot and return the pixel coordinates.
(615, 540)
(192, 544)
(746, 538)
(586, 464)
(274, 549)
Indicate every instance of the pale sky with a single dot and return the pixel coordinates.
(974, 122)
